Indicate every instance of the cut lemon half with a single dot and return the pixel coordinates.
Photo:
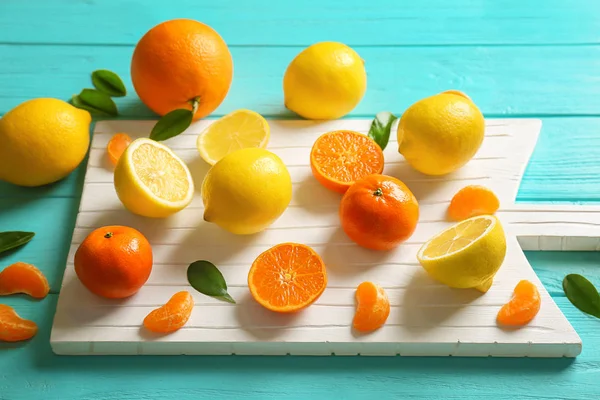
(466, 255)
(152, 181)
(237, 130)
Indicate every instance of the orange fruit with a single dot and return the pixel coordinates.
(171, 316)
(13, 328)
(287, 277)
(472, 201)
(116, 146)
(23, 278)
(522, 307)
(114, 261)
(379, 212)
(178, 61)
(339, 158)
(372, 307)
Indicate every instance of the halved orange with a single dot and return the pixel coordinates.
(340, 158)
(287, 277)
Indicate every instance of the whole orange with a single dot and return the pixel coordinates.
(178, 61)
(379, 212)
(114, 261)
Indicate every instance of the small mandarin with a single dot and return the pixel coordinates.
(24, 278)
(114, 261)
(372, 307)
(379, 212)
(472, 201)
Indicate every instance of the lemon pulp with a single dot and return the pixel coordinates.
(152, 181)
(456, 238)
(238, 130)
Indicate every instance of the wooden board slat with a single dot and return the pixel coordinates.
(274, 22)
(426, 318)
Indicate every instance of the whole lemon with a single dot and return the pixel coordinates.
(441, 133)
(42, 141)
(326, 80)
(246, 191)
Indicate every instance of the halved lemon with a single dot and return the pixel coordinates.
(152, 181)
(237, 130)
(466, 255)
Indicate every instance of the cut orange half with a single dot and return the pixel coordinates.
(340, 158)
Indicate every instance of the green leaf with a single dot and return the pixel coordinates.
(10, 240)
(582, 294)
(108, 82)
(208, 280)
(171, 124)
(381, 128)
(95, 102)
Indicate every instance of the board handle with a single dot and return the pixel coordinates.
(554, 227)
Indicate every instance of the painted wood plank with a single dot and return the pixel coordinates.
(32, 365)
(397, 77)
(426, 318)
(272, 22)
(52, 220)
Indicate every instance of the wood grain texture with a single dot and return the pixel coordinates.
(426, 318)
(273, 22)
(499, 84)
(561, 170)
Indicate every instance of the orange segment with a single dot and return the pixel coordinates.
(24, 278)
(287, 277)
(340, 158)
(13, 328)
(372, 307)
(116, 146)
(472, 201)
(523, 306)
(171, 316)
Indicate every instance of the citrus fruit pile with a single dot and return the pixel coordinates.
(182, 70)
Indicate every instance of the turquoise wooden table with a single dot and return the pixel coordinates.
(537, 58)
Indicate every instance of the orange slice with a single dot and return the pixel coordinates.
(24, 278)
(340, 158)
(523, 307)
(472, 201)
(287, 277)
(171, 316)
(372, 307)
(13, 328)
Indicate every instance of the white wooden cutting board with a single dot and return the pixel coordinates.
(426, 319)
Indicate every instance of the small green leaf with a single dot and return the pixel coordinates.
(108, 82)
(171, 124)
(95, 102)
(208, 280)
(381, 128)
(582, 294)
(10, 240)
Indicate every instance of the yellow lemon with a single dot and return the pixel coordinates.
(466, 255)
(326, 80)
(42, 141)
(246, 191)
(237, 130)
(152, 181)
(441, 133)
